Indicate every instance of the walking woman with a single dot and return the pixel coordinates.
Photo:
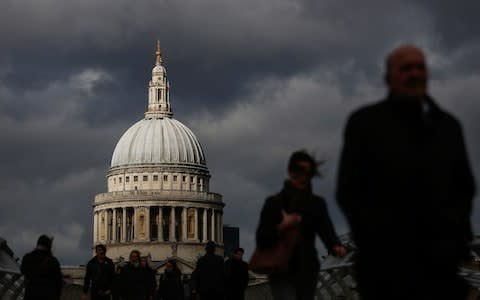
(296, 207)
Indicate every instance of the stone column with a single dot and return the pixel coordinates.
(160, 224)
(184, 223)
(220, 216)
(107, 233)
(106, 224)
(220, 227)
(204, 235)
(172, 224)
(124, 224)
(195, 231)
(213, 224)
(95, 227)
(134, 224)
(147, 223)
(114, 225)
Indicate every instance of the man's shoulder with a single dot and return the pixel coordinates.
(365, 112)
(219, 257)
(27, 256)
(273, 197)
(92, 261)
(36, 255)
(109, 260)
(319, 200)
(447, 118)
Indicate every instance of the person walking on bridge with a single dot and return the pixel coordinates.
(99, 275)
(406, 188)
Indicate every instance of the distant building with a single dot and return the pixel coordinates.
(158, 199)
(231, 239)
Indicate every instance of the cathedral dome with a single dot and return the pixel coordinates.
(158, 197)
(158, 141)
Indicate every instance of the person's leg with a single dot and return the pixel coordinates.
(373, 282)
(446, 275)
(282, 289)
(306, 286)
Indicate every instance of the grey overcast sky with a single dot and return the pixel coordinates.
(253, 79)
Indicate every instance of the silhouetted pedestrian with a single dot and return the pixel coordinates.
(236, 276)
(43, 278)
(133, 278)
(150, 284)
(297, 207)
(406, 189)
(208, 278)
(117, 283)
(170, 285)
(99, 274)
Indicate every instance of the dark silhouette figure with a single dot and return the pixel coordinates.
(133, 278)
(236, 276)
(208, 278)
(297, 206)
(170, 285)
(187, 289)
(117, 283)
(149, 278)
(43, 278)
(406, 189)
(99, 275)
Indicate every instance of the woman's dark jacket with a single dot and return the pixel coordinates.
(315, 220)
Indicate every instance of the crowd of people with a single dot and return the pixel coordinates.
(136, 279)
(213, 278)
(405, 186)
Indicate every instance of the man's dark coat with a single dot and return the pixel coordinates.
(236, 272)
(100, 276)
(208, 278)
(406, 189)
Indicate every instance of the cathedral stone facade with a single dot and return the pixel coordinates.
(158, 198)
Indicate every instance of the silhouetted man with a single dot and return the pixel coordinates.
(208, 278)
(406, 188)
(43, 278)
(99, 274)
(236, 271)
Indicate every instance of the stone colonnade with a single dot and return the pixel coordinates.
(157, 223)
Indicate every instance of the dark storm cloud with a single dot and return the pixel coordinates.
(456, 26)
(275, 118)
(255, 80)
(213, 46)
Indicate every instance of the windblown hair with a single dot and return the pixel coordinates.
(303, 155)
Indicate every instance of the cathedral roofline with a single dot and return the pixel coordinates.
(159, 168)
(160, 195)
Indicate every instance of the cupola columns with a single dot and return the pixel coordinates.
(158, 90)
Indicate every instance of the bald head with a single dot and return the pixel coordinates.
(406, 72)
